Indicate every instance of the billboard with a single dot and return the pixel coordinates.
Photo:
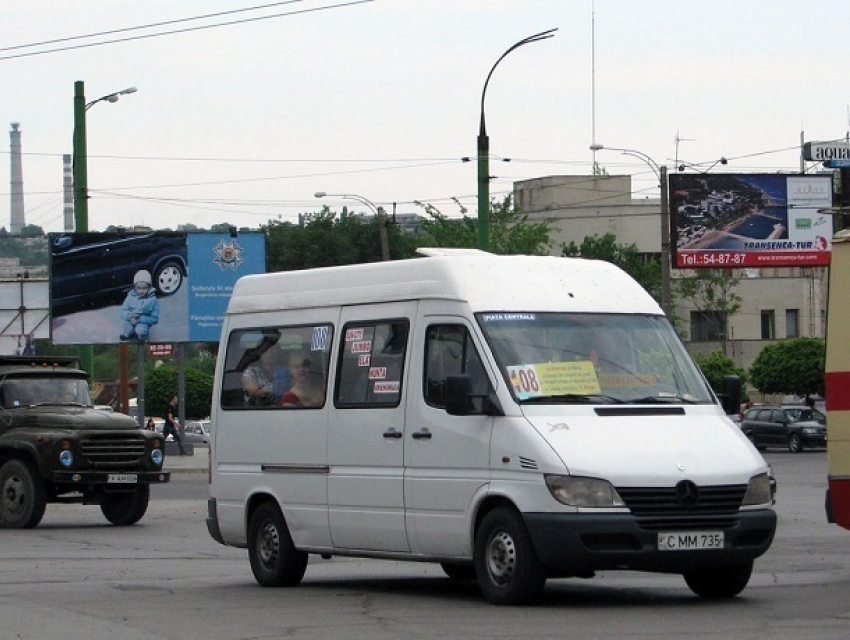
(24, 310)
(750, 220)
(109, 288)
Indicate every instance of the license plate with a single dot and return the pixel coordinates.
(688, 540)
(122, 478)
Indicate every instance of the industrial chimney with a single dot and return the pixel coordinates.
(18, 221)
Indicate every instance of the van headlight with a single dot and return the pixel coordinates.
(583, 492)
(759, 491)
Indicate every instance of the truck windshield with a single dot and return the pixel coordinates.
(593, 358)
(29, 390)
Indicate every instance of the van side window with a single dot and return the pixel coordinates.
(449, 351)
(371, 363)
(276, 367)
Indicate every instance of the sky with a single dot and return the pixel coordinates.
(244, 122)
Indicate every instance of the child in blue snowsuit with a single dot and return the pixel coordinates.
(140, 310)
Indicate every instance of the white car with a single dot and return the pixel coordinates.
(197, 432)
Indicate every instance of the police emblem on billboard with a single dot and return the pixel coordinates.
(228, 255)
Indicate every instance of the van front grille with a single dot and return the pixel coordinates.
(671, 501)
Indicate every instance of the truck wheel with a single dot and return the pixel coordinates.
(725, 582)
(22, 495)
(274, 559)
(795, 443)
(123, 509)
(506, 564)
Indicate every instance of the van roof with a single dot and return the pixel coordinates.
(487, 282)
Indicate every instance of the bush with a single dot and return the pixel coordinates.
(715, 365)
(161, 384)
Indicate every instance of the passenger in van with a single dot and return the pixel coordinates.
(306, 390)
(258, 379)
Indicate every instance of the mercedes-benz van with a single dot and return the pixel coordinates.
(513, 418)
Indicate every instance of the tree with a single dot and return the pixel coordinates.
(715, 365)
(161, 383)
(793, 367)
(711, 291)
(646, 271)
(510, 230)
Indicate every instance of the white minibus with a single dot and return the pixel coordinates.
(512, 418)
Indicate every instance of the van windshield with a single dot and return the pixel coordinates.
(593, 358)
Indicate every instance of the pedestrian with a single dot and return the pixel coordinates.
(151, 425)
(140, 310)
(172, 424)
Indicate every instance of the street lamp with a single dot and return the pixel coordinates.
(661, 174)
(80, 170)
(483, 145)
(81, 195)
(376, 210)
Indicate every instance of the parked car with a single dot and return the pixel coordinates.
(793, 426)
(94, 270)
(197, 432)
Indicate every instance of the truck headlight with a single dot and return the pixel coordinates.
(66, 458)
(758, 490)
(583, 492)
(156, 456)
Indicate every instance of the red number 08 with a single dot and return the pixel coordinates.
(528, 380)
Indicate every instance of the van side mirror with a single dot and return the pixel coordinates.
(459, 398)
(731, 396)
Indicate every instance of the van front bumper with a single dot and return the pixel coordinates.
(579, 544)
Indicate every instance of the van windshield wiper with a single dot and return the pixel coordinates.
(578, 398)
(663, 400)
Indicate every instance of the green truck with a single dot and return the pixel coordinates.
(55, 447)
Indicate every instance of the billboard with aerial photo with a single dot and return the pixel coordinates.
(108, 288)
(750, 220)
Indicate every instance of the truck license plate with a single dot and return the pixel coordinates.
(688, 540)
(122, 478)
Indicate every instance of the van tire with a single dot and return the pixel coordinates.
(506, 564)
(124, 509)
(23, 497)
(274, 559)
(724, 582)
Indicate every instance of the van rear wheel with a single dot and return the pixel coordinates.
(506, 564)
(274, 559)
(723, 582)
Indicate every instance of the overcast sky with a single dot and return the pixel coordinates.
(245, 122)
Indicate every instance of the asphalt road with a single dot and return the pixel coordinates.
(78, 577)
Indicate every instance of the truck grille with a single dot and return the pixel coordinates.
(664, 501)
(112, 451)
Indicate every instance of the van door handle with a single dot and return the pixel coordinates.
(392, 433)
(422, 435)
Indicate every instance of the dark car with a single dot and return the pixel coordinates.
(94, 270)
(795, 427)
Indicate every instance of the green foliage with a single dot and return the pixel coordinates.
(161, 384)
(627, 257)
(510, 231)
(325, 240)
(715, 365)
(791, 367)
(711, 291)
(31, 251)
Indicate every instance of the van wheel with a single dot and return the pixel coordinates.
(725, 582)
(23, 498)
(795, 443)
(274, 559)
(458, 571)
(506, 565)
(124, 509)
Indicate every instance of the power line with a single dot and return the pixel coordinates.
(176, 31)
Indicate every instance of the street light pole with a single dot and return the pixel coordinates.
(379, 213)
(483, 149)
(81, 190)
(660, 173)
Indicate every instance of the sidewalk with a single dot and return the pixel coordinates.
(196, 462)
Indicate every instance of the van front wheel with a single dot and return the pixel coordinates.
(506, 564)
(274, 559)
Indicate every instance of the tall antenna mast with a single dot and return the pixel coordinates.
(678, 140)
(593, 78)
